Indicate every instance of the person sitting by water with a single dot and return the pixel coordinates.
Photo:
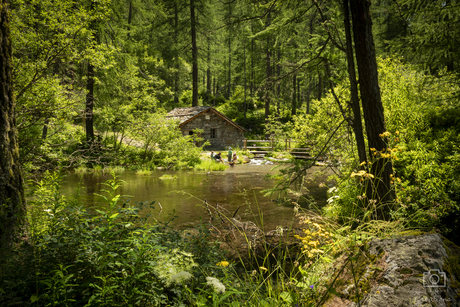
(212, 154)
(218, 158)
(234, 160)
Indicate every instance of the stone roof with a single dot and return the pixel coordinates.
(186, 114)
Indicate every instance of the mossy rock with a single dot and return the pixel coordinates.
(391, 272)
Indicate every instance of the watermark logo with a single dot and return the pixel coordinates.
(434, 279)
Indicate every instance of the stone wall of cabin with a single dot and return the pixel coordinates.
(226, 134)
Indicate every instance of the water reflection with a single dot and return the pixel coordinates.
(184, 196)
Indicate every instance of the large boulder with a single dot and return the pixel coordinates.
(418, 270)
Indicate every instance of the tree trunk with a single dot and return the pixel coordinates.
(214, 86)
(299, 100)
(244, 55)
(130, 16)
(176, 55)
(194, 56)
(308, 96)
(372, 104)
(268, 72)
(320, 86)
(208, 71)
(89, 104)
(278, 86)
(45, 128)
(12, 201)
(229, 88)
(357, 125)
(251, 87)
(294, 95)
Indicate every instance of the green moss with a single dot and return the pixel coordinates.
(406, 271)
(452, 264)
(372, 257)
(413, 232)
(406, 282)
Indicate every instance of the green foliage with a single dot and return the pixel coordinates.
(421, 110)
(49, 39)
(210, 165)
(234, 109)
(421, 116)
(104, 256)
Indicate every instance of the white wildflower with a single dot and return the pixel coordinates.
(180, 277)
(331, 199)
(172, 263)
(332, 190)
(216, 284)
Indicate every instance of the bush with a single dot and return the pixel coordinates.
(104, 256)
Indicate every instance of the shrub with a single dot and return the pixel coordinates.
(103, 256)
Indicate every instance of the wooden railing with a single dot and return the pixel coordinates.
(301, 153)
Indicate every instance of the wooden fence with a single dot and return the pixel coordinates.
(270, 145)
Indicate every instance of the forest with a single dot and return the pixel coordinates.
(371, 86)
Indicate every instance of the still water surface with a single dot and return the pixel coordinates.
(183, 197)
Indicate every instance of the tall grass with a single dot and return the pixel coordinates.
(99, 168)
(144, 172)
(114, 169)
(209, 165)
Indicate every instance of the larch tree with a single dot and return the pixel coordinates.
(194, 54)
(379, 189)
(12, 201)
(354, 99)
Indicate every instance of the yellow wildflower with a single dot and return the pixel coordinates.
(359, 174)
(372, 149)
(263, 268)
(223, 263)
(362, 163)
(397, 132)
(385, 134)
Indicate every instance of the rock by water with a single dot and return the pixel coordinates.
(407, 271)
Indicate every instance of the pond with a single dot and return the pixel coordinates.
(183, 197)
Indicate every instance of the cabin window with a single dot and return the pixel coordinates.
(208, 117)
(190, 132)
(213, 133)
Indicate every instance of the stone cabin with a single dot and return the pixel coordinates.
(217, 128)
